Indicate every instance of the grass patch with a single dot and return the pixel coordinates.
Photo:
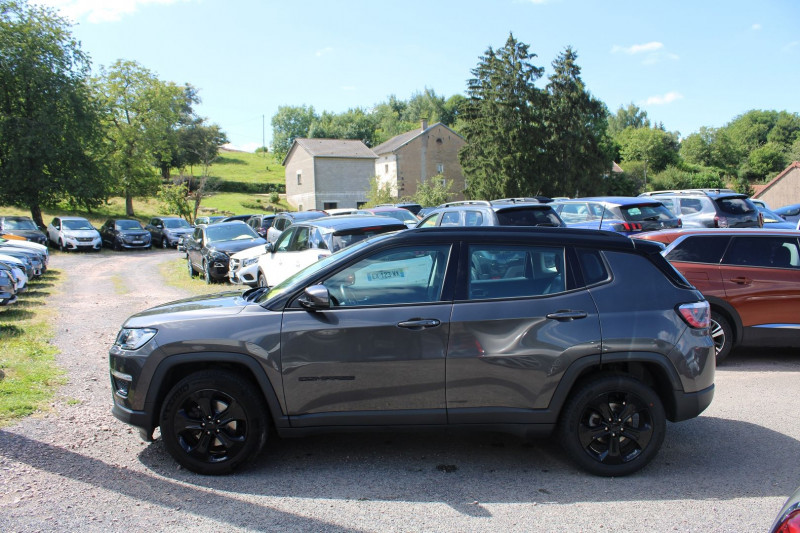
(120, 287)
(247, 167)
(28, 372)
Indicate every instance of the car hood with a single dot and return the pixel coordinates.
(206, 306)
(132, 232)
(80, 232)
(231, 247)
(178, 231)
(253, 251)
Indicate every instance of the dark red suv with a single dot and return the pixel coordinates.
(751, 278)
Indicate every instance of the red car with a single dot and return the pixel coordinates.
(750, 276)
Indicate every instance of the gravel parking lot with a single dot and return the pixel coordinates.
(76, 467)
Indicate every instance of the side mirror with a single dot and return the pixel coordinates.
(315, 298)
(268, 248)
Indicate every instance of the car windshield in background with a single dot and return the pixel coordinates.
(19, 223)
(646, 212)
(174, 223)
(230, 232)
(128, 224)
(402, 215)
(77, 224)
(528, 217)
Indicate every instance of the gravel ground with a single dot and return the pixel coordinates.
(76, 467)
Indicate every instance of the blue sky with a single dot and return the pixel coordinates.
(687, 63)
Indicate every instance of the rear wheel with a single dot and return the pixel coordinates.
(213, 421)
(613, 425)
(722, 333)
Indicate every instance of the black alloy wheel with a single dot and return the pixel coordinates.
(722, 333)
(262, 280)
(164, 242)
(212, 421)
(613, 425)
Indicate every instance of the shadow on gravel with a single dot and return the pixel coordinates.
(150, 488)
(15, 313)
(761, 359)
(703, 459)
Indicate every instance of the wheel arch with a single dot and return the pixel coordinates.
(728, 311)
(652, 369)
(176, 367)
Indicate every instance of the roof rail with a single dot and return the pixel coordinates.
(465, 202)
(690, 191)
(524, 200)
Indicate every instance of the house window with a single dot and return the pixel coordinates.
(329, 205)
(440, 168)
(386, 168)
(299, 177)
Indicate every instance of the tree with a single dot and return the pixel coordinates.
(353, 124)
(288, 124)
(653, 145)
(578, 150)
(174, 199)
(435, 190)
(142, 113)
(503, 125)
(629, 117)
(379, 193)
(50, 128)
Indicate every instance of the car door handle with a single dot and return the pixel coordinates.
(419, 323)
(742, 280)
(566, 316)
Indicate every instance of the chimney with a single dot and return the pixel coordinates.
(424, 124)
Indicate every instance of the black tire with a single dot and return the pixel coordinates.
(116, 246)
(164, 243)
(722, 333)
(61, 247)
(207, 274)
(262, 280)
(212, 421)
(622, 445)
(192, 271)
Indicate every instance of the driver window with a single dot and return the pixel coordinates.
(301, 240)
(284, 240)
(405, 275)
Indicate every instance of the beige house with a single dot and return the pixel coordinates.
(328, 173)
(783, 190)
(411, 158)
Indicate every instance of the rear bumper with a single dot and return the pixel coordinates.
(691, 404)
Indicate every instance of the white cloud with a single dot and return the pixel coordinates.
(663, 99)
(637, 48)
(246, 147)
(98, 11)
(756, 27)
(324, 51)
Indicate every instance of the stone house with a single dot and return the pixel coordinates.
(411, 158)
(783, 190)
(328, 173)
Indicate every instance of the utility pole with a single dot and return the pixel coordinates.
(263, 138)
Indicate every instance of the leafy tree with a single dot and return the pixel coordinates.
(433, 191)
(656, 147)
(142, 112)
(288, 124)
(503, 125)
(174, 199)
(578, 150)
(764, 162)
(354, 124)
(50, 128)
(627, 117)
(379, 193)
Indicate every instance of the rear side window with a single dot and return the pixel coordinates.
(513, 271)
(699, 249)
(592, 265)
(763, 251)
(735, 206)
(690, 206)
(528, 217)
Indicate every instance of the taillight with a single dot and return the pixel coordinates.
(720, 222)
(627, 226)
(696, 314)
(790, 524)
(680, 223)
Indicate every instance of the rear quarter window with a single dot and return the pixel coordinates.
(735, 206)
(592, 265)
(699, 249)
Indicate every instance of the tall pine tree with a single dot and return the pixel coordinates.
(503, 124)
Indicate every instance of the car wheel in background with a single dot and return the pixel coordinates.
(192, 271)
(612, 425)
(213, 421)
(164, 243)
(262, 280)
(61, 247)
(206, 273)
(722, 333)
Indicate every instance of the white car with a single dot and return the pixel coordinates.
(243, 267)
(16, 243)
(73, 233)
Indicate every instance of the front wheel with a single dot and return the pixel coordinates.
(262, 280)
(164, 243)
(722, 333)
(213, 421)
(207, 273)
(192, 271)
(612, 425)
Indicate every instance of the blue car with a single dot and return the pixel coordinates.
(790, 213)
(623, 214)
(773, 220)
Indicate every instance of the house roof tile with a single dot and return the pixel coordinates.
(336, 148)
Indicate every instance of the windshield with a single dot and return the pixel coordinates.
(301, 277)
(174, 223)
(230, 232)
(128, 224)
(402, 215)
(77, 224)
(19, 223)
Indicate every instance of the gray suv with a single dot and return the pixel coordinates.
(586, 334)
(710, 208)
(505, 212)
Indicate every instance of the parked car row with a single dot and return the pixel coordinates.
(20, 262)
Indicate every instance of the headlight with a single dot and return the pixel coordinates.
(251, 261)
(134, 338)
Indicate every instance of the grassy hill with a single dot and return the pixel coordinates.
(232, 171)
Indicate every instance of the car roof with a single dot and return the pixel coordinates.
(669, 235)
(616, 200)
(72, 218)
(710, 193)
(343, 222)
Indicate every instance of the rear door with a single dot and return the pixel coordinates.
(518, 322)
